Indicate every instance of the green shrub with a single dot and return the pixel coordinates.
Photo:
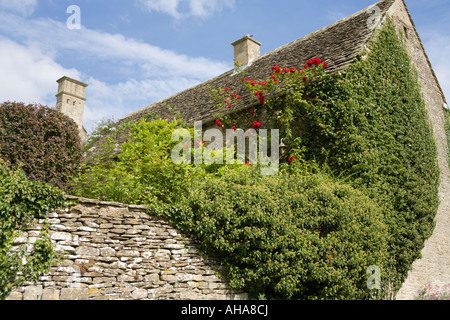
(286, 236)
(21, 202)
(44, 140)
(447, 130)
(141, 171)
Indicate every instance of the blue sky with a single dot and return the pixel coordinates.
(133, 53)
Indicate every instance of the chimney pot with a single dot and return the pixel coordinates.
(246, 50)
(70, 101)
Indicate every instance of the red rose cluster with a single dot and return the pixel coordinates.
(256, 124)
(261, 96)
(264, 86)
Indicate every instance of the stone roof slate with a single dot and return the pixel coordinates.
(338, 44)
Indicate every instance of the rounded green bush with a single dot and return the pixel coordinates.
(287, 236)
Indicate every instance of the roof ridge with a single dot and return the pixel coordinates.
(321, 30)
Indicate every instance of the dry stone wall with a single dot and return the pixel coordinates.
(117, 251)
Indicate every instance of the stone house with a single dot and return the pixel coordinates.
(337, 44)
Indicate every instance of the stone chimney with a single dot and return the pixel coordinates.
(70, 101)
(246, 50)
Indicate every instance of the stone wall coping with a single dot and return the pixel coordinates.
(105, 203)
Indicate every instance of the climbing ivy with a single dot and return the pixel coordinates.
(22, 202)
(368, 126)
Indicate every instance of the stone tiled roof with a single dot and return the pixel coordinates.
(338, 45)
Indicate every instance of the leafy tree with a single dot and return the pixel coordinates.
(45, 141)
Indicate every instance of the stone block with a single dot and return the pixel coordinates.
(128, 253)
(74, 294)
(107, 252)
(168, 278)
(118, 265)
(152, 278)
(87, 251)
(64, 236)
(14, 296)
(139, 294)
(50, 294)
(33, 293)
(84, 228)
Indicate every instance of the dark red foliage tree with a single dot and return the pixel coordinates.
(45, 141)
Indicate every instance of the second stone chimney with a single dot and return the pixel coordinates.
(246, 50)
(70, 101)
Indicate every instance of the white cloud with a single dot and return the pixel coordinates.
(22, 7)
(169, 7)
(28, 75)
(114, 49)
(187, 8)
(205, 8)
(123, 97)
(147, 73)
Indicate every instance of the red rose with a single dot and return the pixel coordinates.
(305, 66)
(226, 89)
(256, 124)
(252, 112)
(291, 158)
(233, 127)
(293, 70)
(309, 63)
(277, 69)
(225, 100)
(304, 79)
(230, 105)
(316, 61)
(324, 64)
(261, 99)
